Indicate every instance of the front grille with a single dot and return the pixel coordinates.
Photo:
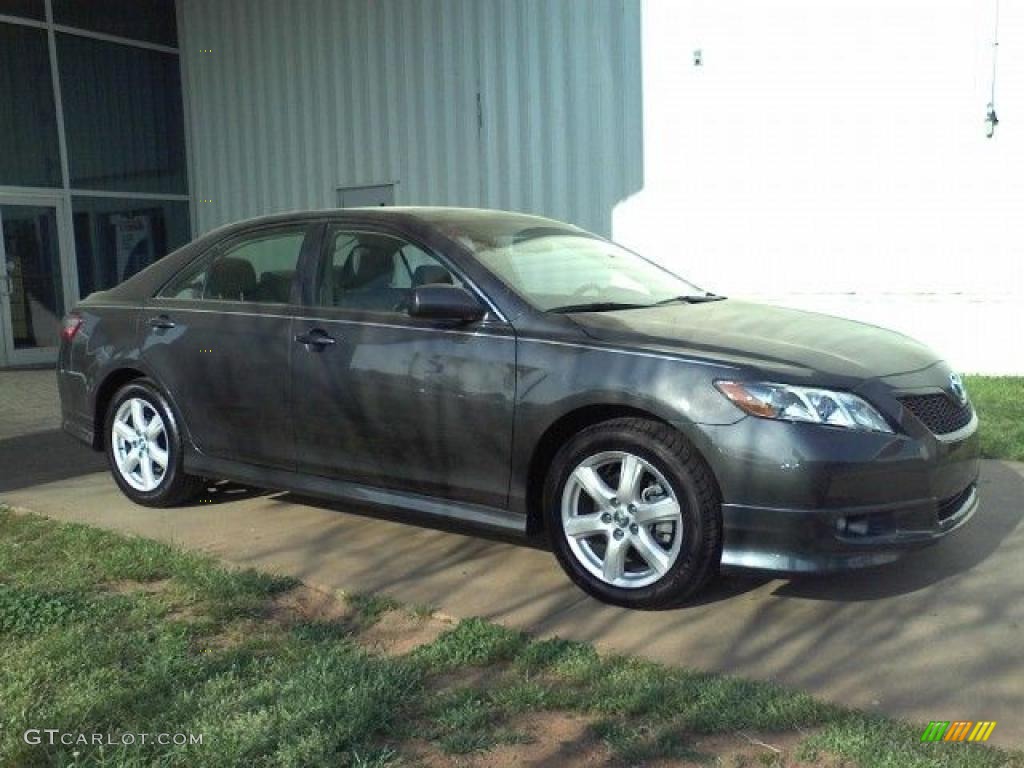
(940, 413)
(948, 507)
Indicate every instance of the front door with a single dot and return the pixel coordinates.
(34, 278)
(392, 401)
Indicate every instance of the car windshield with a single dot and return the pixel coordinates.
(564, 269)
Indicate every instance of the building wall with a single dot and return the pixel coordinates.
(532, 106)
(828, 156)
(833, 156)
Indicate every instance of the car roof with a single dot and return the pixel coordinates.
(399, 213)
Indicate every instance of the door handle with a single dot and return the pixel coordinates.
(316, 338)
(161, 321)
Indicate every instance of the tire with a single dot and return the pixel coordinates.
(130, 452)
(688, 542)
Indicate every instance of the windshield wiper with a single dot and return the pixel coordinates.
(610, 306)
(597, 306)
(695, 299)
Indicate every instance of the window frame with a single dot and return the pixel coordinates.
(203, 261)
(325, 254)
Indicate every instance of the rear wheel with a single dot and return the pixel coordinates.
(144, 447)
(634, 513)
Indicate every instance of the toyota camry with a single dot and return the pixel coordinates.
(514, 372)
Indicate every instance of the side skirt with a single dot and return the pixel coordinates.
(342, 490)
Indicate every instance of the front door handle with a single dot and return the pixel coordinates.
(161, 321)
(316, 338)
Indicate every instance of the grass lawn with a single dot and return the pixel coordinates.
(111, 635)
(999, 401)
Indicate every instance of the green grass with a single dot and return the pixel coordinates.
(999, 401)
(101, 633)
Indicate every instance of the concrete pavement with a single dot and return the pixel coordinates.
(936, 636)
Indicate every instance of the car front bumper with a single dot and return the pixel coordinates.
(818, 541)
(803, 498)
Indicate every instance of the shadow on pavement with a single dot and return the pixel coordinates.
(45, 457)
(227, 491)
(1000, 512)
(730, 584)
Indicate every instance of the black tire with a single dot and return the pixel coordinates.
(174, 486)
(693, 484)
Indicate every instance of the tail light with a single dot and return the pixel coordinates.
(72, 322)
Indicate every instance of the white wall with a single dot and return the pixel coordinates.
(827, 155)
(833, 155)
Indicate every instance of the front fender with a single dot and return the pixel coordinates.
(557, 380)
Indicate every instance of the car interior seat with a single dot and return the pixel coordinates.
(230, 279)
(367, 268)
(431, 274)
(365, 280)
(274, 287)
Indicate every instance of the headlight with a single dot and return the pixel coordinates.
(817, 406)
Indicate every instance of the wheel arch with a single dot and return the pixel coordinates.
(112, 381)
(563, 429)
(105, 392)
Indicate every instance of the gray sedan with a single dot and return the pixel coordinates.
(518, 373)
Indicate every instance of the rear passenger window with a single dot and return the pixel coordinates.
(258, 268)
(376, 272)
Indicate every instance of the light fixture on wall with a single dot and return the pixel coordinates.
(991, 121)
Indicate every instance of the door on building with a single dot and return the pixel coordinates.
(36, 278)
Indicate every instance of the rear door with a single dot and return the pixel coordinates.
(385, 399)
(219, 338)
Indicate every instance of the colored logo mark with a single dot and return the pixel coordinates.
(958, 730)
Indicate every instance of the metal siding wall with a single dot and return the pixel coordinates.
(300, 98)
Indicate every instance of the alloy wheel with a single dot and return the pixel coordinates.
(139, 439)
(622, 519)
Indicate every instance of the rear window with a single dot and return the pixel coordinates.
(257, 268)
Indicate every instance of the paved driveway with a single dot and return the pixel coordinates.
(937, 636)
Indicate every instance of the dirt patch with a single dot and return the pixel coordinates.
(398, 632)
(230, 636)
(132, 587)
(307, 604)
(186, 613)
(751, 749)
(568, 740)
(477, 678)
(395, 633)
(556, 740)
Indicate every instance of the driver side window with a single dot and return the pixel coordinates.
(376, 272)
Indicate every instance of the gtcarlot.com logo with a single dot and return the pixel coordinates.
(958, 730)
(56, 737)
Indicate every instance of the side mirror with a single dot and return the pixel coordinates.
(445, 302)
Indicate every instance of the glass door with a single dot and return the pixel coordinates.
(34, 288)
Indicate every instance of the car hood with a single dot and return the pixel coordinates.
(789, 342)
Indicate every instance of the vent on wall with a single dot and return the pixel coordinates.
(366, 195)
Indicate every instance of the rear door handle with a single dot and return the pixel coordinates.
(161, 321)
(316, 337)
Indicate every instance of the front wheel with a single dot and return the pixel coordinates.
(634, 513)
(144, 447)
